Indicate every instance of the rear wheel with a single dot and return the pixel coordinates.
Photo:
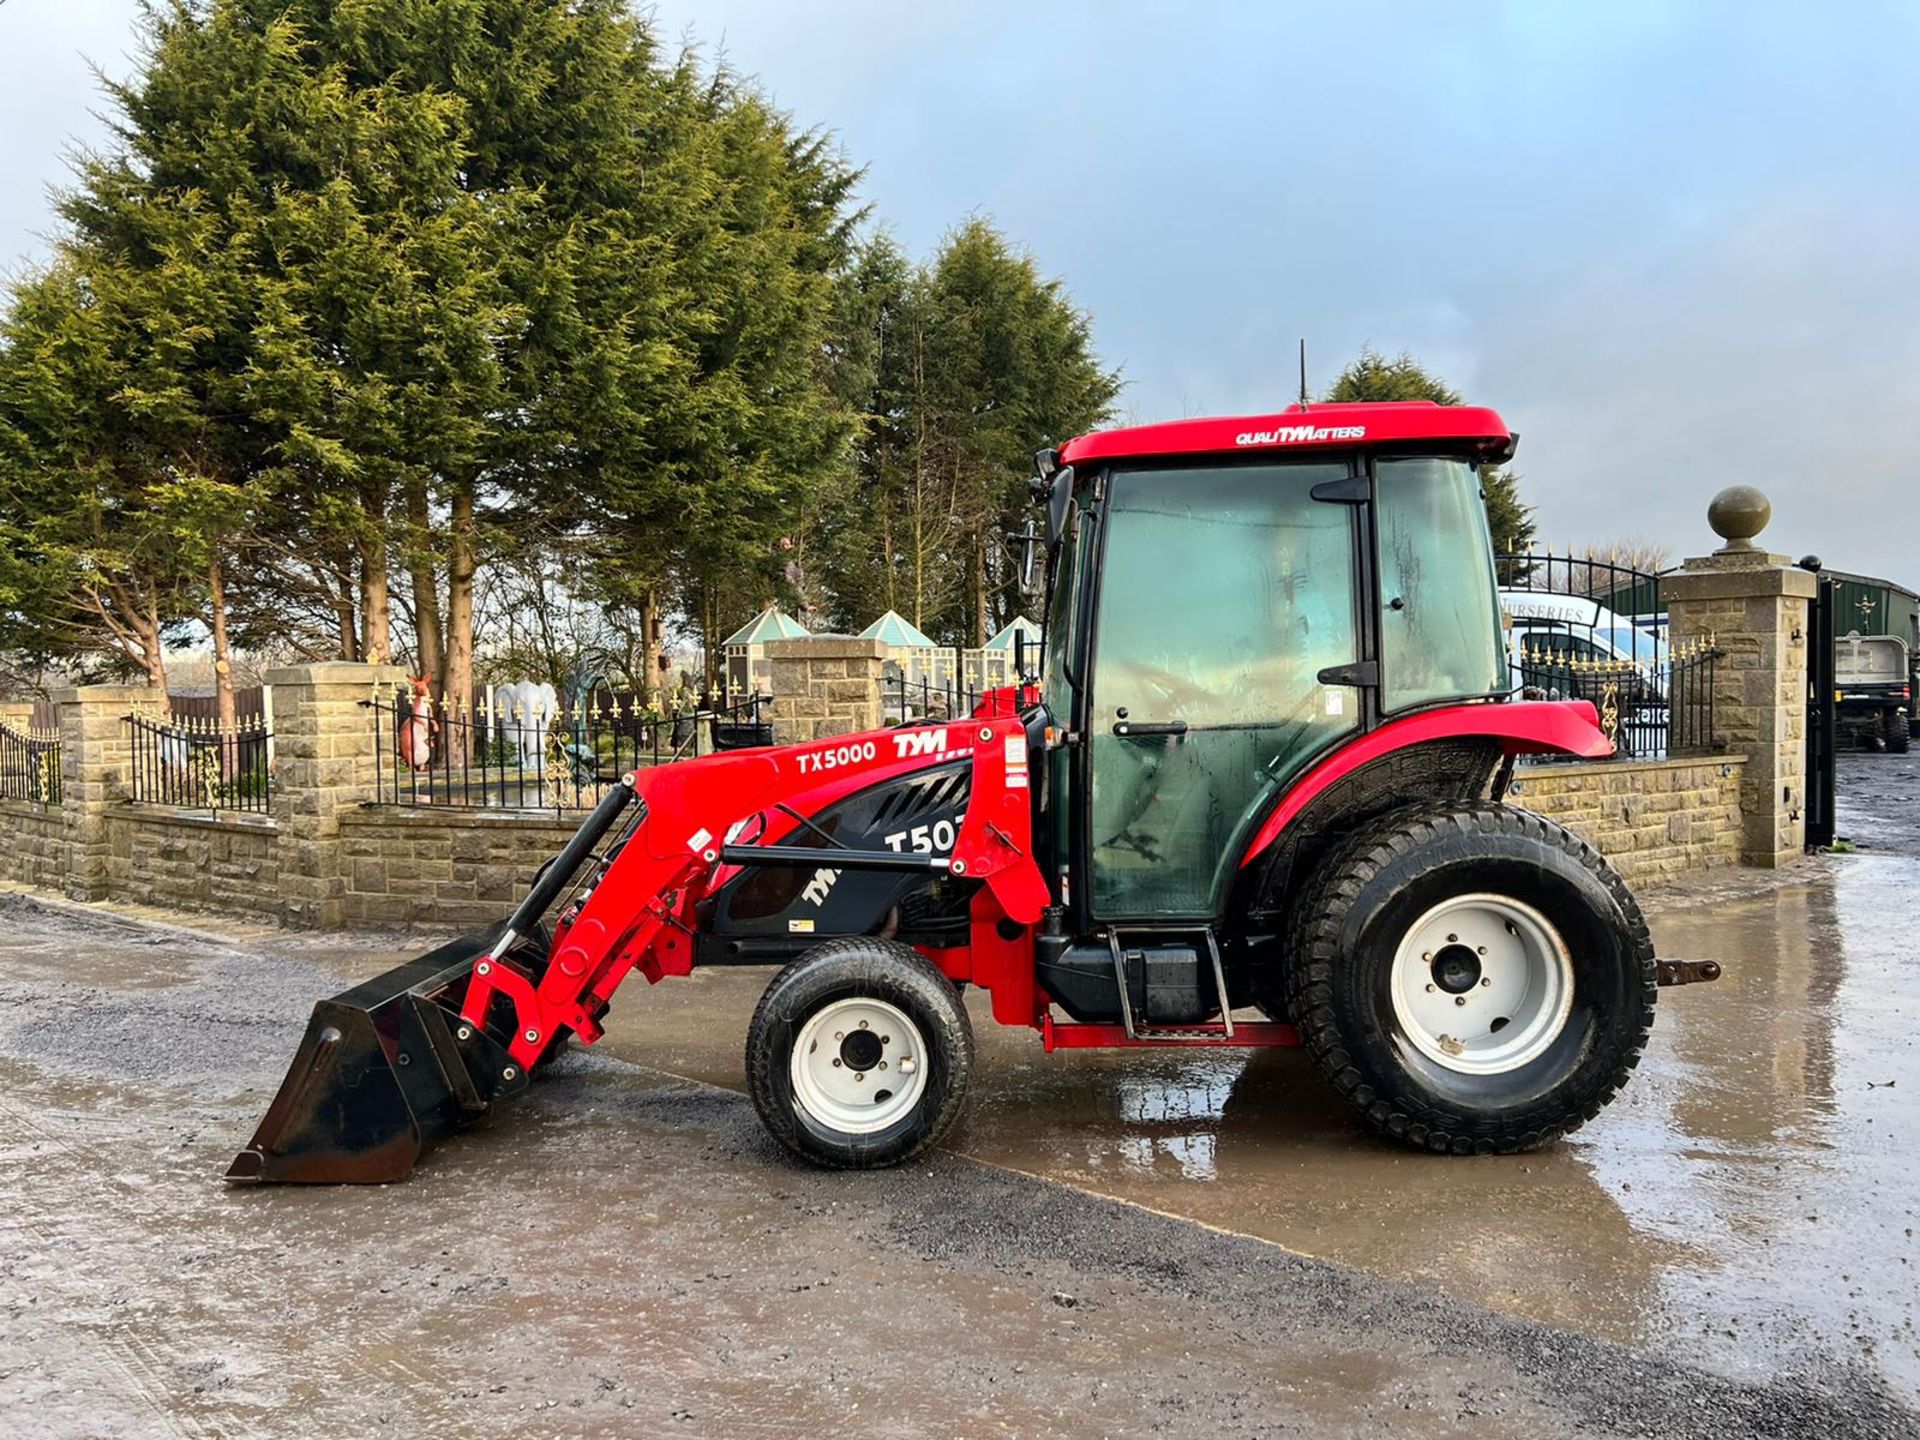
(859, 1055)
(1473, 978)
(1899, 733)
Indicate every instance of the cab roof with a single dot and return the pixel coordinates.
(1323, 426)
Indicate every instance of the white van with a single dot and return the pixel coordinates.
(1580, 628)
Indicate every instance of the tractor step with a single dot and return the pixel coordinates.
(1173, 1034)
(1247, 1034)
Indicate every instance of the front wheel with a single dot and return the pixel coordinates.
(1475, 979)
(859, 1055)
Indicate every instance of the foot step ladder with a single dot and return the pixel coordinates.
(1175, 1034)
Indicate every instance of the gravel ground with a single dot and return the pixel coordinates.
(627, 1255)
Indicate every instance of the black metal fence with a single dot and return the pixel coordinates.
(1612, 596)
(903, 699)
(531, 758)
(191, 762)
(29, 764)
(1658, 708)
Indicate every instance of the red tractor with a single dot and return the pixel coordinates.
(1260, 770)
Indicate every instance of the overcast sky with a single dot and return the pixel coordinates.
(1677, 246)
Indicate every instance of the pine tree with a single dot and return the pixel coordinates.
(1373, 376)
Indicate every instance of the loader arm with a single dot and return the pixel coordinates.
(705, 820)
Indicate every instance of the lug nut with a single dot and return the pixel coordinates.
(886, 1039)
(836, 1062)
(859, 1075)
(1432, 988)
(1485, 980)
(1483, 949)
(839, 1035)
(883, 1064)
(1459, 999)
(1453, 939)
(1428, 957)
(863, 1024)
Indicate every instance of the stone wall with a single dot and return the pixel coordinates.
(825, 685)
(1656, 820)
(226, 863)
(441, 868)
(33, 845)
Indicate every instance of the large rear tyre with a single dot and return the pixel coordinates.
(1899, 733)
(860, 1054)
(1474, 979)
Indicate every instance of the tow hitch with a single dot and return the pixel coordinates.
(1686, 972)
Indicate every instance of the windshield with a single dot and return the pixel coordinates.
(1440, 624)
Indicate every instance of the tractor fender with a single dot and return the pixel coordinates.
(1517, 727)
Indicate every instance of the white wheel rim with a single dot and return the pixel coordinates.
(1482, 984)
(858, 1065)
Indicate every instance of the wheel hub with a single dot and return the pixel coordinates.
(1456, 969)
(860, 1050)
(858, 1065)
(1482, 984)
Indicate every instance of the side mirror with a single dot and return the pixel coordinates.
(1059, 502)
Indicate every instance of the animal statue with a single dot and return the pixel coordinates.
(416, 732)
(524, 711)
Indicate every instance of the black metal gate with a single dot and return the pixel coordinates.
(1820, 711)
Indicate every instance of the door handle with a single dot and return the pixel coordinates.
(1149, 727)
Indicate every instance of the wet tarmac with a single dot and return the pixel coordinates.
(1729, 1250)
(1748, 1204)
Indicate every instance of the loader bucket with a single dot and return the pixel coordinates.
(389, 1067)
(385, 1070)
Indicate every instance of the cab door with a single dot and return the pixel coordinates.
(1223, 593)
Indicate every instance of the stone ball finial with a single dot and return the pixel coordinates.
(1737, 514)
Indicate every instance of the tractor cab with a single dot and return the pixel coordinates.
(1228, 601)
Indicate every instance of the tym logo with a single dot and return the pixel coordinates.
(817, 888)
(1291, 434)
(919, 742)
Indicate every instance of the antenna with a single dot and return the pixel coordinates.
(1303, 372)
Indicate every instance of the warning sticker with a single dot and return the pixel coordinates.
(1336, 702)
(1016, 750)
(799, 927)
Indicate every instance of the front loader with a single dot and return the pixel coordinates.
(1254, 797)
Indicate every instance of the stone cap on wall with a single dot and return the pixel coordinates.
(335, 672)
(1712, 577)
(108, 695)
(827, 647)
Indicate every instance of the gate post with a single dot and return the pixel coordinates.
(96, 762)
(1755, 606)
(825, 685)
(326, 762)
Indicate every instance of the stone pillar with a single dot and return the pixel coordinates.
(825, 685)
(96, 773)
(16, 714)
(326, 762)
(1755, 606)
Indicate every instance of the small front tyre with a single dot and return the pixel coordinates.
(1475, 979)
(860, 1054)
